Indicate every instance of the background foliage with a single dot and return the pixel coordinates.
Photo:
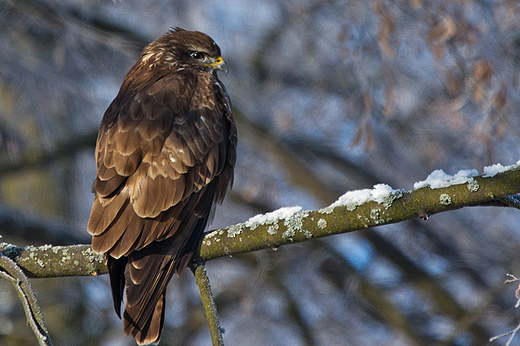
(329, 96)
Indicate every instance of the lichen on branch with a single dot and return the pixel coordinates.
(293, 225)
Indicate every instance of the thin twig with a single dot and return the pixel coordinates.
(517, 292)
(208, 301)
(517, 295)
(10, 271)
(512, 333)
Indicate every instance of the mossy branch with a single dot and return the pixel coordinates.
(399, 206)
(80, 260)
(208, 301)
(11, 272)
(53, 261)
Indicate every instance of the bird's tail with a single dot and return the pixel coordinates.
(147, 274)
(150, 332)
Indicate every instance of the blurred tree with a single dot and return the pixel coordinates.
(330, 96)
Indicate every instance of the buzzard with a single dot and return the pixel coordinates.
(165, 152)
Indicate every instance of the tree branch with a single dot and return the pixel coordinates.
(36, 158)
(53, 261)
(208, 301)
(11, 272)
(402, 205)
(31, 227)
(49, 261)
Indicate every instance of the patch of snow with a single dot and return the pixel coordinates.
(358, 197)
(438, 179)
(491, 171)
(279, 214)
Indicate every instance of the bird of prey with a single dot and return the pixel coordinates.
(165, 152)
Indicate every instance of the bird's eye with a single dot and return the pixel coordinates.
(197, 55)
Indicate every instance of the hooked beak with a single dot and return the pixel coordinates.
(220, 65)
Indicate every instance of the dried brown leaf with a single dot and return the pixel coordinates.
(388, 109)
(364, 129)
(482, 71)
(367, 101)
(500, 98)
(443, 31)
(370, 143)
(387, 29)
(357, 137)
(416, 4)
(438, 50)
(501, 128)
(478, 93)
(454, 83)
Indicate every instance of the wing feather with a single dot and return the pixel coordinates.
(104, 212)
(105, 188)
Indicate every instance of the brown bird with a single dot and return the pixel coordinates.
(165, 152)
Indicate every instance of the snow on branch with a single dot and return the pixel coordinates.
(357, 210)
(354, 211)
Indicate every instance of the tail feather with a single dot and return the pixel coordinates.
(146, 286)
(150, 332)
(116, 268)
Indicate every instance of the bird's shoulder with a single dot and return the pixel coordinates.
(174, 94)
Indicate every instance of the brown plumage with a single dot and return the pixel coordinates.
(165, 153)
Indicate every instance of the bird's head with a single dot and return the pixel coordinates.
(180, 48)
